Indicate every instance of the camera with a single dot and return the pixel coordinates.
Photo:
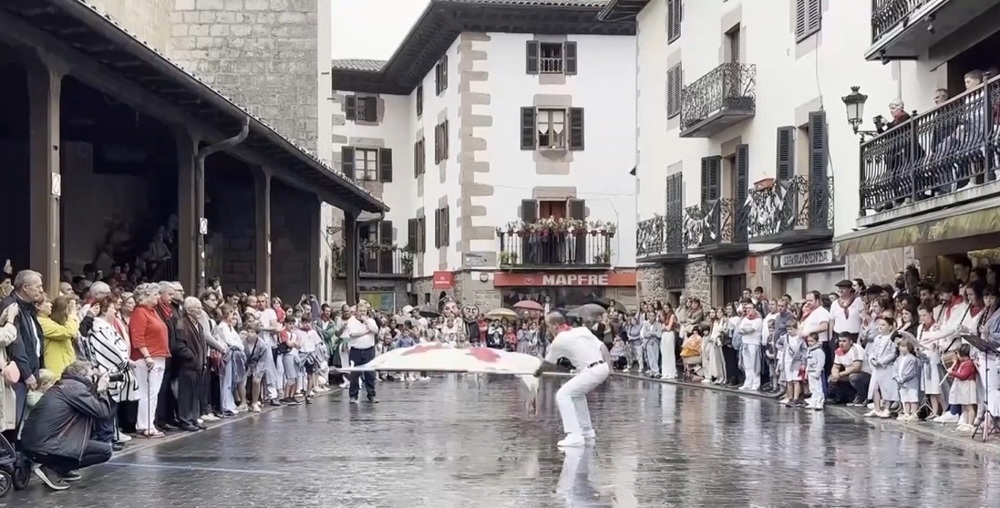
(114, 377)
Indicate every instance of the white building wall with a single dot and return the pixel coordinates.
(791, 79)
(603, 87)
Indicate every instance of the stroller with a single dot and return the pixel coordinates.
(15, 469)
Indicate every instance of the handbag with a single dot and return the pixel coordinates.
(11, 374)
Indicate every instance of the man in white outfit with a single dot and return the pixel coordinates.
(586, 353)
(751, 327)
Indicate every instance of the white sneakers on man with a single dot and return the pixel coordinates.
(572, 441)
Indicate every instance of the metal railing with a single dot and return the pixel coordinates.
(788, 205)
(376, 259)
(660, 235)
(887, 14)
(694, 226)
(550, 248)
(728, 86)
(550, 65)
(715, 222)
(948, 148)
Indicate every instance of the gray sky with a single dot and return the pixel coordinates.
(372, 28)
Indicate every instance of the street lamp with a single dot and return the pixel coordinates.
(855, 103)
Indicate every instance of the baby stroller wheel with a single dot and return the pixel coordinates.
(22, 474)
(6, 483)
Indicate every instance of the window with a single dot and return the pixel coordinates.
(441, 142)
(554, 209)
(419, 158)
(674, 16)
(362, 108)
(366, 164)
(808, 18)
(675, 85)
(441, 76)
(441, 229)
(551, 57)
(733, 42)
(420, 100)
(416, 234)
(711, 174)
(552, 128)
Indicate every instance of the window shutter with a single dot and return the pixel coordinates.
(352, 107)
(577, 209)
(411, 234)
(531, 56)
(675, 209)
(385, 256)
(444, 140)
(422, 234)
(347, 161)
(444, 73)
(423, 155)
(814, 15)
(446, 226)
(437, 144)
(528, 129)
(819, 199)
(529, 211)
(576, 128)
(416, 159)
(710, 169)
(785, 169)
(674, 86)
(569, 57)
(385, 165)
(420, 100)
(371, 109)
(740, 193)
(673, 20)
(437, 228)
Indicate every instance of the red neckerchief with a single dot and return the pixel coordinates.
(928, 327)
(119, 326)
(840, 352)
(166, 309)
(806, 312)
(280, 313)
(564, 328)
(975, 310)
(753, 314)
(955, 300)
(847, 308)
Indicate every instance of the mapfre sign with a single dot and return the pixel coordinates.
(609, 279)
(575, 280)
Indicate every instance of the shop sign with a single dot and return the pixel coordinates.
(612, 279)
(443, 280)
(802, 259)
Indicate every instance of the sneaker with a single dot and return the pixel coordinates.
(857, 402)
(818, 407)
(902, 418)
(50, 478)
(117, 446)
(870, 405)
(123, 437)
(209, 418)
(72, 476)
(373, 400)
(354, 400)
(572, 441)
(885, 413)
(199, 421)
(965, 427)
(947, 418)
(871, 414)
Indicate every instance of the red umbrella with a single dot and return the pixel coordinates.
(528, 305)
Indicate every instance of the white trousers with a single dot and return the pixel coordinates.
(274, 372)
(668, 355)
(572, 398)
(750, 356)
(816, 397)
(149, 381)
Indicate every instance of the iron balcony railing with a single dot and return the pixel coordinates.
(887, 14)
(376, 259)
(659, 236)
(790, 204)
(728, 86)
(535, 247)
(715, 222)
(948, 148)
(694, 227)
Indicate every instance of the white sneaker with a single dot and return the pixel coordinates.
(124, 438)
(870, 405)
(572, 441)
(947, 418)
(785, 401)
(208, 418)
(871, 414)
(902, 418)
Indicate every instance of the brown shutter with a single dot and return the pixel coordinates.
(819, 199)
(531, 55)
(411, 234)
(569, 57)
(347, 161)
(444, 144)
(422, 234)
(423, 155)
(352, 107)
(529, 214)
(740, 192)
(420, 100)
(529, 210)
(576, 128)
(371, 109)
(710, 169)
(385, 256)
(385, 164)
(675, 85)
(416, 159)
(785, 168)
(578, 210)
(528, 129)
(444, 73)
(446, 226)
(673, 20)
(437, 144)
(437, 228)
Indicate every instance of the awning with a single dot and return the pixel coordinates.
(82, 27)
(979, 218)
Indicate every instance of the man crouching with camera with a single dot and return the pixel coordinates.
(58, 433)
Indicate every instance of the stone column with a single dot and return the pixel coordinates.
(188, 229)
(262, 194)
(44, 95)
(351, 257)
(315, 247)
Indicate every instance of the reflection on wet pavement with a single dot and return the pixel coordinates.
(457, 442)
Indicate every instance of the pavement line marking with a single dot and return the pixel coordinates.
(196, 468)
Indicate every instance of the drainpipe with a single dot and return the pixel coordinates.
(199, 168)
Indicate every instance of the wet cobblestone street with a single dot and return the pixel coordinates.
(449, 443)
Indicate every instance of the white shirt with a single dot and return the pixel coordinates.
(577, 345)
(269, 319)
(816, 318)
(856, 354)
(751, 330)
(361, 334)
(229, 336)
(308, 340)
(849, 319)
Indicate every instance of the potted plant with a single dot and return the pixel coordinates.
(508, 258)
(610, 229)
(594, 226)
(603, 257)
(407, 263)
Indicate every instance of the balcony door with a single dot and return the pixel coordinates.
(552, 209)
(733, 86)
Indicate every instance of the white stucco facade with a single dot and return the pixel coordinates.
(489, 110)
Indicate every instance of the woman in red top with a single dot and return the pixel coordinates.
(964, 388)
(150, 349)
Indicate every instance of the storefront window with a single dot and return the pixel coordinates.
(383, 301)
(566, 297)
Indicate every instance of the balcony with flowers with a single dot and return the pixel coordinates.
(560, 244)
(378, 260)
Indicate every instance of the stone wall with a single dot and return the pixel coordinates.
(699, 280)
(149, 20)
(880, 266)
(232, 239)
(651, 280)
(261, 53)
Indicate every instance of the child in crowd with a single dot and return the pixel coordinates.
(813, 372)
(964, 388)
(619, 354)
(907, 375)
(406, 339)
(691, 352)
(793, 354)
(883, 390)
